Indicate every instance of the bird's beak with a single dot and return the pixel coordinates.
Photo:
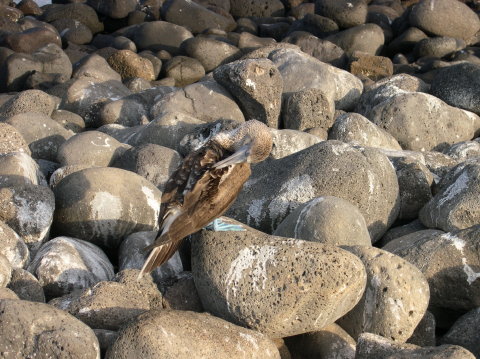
(238, 157)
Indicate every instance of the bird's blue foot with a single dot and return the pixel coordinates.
(218, 225)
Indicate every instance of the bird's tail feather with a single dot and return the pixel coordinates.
(148, 266)
(159, 255)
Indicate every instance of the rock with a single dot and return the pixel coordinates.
(464, 150)
(73, 31)
(308, 108)
(394, 301)
(104, 205)
(344, 13)
(106, 43)
(357, 130)
(434, 125)
(210, 52)
(321, 49)
(257, 85)
(207, 101)
(185, 70)
(414, 181)
(95, 67)
(32, 39)
(245, 267)
(329, 342)
(464, 332)
(43, 135)
(371, 185)
(260, 8)
(13, 247)
(448, 261)
(113, 8)
(75, 11)
(153, 162)
(366, 38)
(159, 35)
(6, 293)
(129, 65)
(438, 46)
(196, 17)
(66, 264)
(167, 129)
(143, 287)
(5, 271)
(17, 169)
(371, 67)
(401, 230)
(28, 210)
(183, 295)
(424, 334)
(248, 42)
(92, 148)
(29, 7)
(156, 62)
(105, 338)
(71, 121)
(286, 142)
(28, 101)
(183, 334)
(328, 219)
(371, 345)
(454, 205)
(384, 89)
(439, 164)
(405, 42)
(107, 305)
(31, 329)
(338, 85)
(445, 18)
(85, 95)
(26, 286)
(132, 254)
(11, 140)
(458, 85)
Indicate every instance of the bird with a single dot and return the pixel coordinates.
(205, 185)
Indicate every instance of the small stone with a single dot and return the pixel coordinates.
(26, 286)
(66, 264)
(366, 38)
(286, 142)
(424, 334)
(129, 65)
(326, 219)
(11, 140)
(185, 70)
(95, 67)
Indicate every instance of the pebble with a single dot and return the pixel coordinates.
(374, 113)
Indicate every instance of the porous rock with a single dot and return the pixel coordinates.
(18, 168)
(344, 172)
(31, 329)
(65, 264)
(464, 332)
(395, 299)
(247, 268)
(183, 335)
(130, 65)
(286, 142)
(326, 219)
(13, 247)
(28, 101)
(11, 140)
(26, 286)
(5, 271)
(28, 210)
(103, 205)
(449, 261)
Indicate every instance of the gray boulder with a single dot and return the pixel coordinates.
(394, 301)
(26, 286)
(339, 85)
(277, 187)
(367, 38)
(11, 140)
(13, 247)
(449, 261)
(17, 169)
(455, 205)
(5, 271)
(464, 332)
(66, 264)
(104, 205)
(185, 335)
(31, 329)
(247, 268)
(286, 142)
(257, 85)
(328, 219)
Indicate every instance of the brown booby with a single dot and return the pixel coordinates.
(205, 185)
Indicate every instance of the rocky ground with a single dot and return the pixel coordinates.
(361, 231)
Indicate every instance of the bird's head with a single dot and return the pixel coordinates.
(251, 142)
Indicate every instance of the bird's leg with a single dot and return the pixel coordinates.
(218, 225)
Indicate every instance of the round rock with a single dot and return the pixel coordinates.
(17, 169)
(319, 283)
(26, 286)
(65, 264)
(104, 205)
(129, 65)
(345, 13)
(11, 140)
(326, 219)
(28, 101)
(185, 70)
(31, 329)
(13, 247)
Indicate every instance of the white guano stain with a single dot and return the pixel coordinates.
(254, 259)
(250, 83)
(460, 184)
(254, 211)
(303, 213)
(151, 200)
(459, 244)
